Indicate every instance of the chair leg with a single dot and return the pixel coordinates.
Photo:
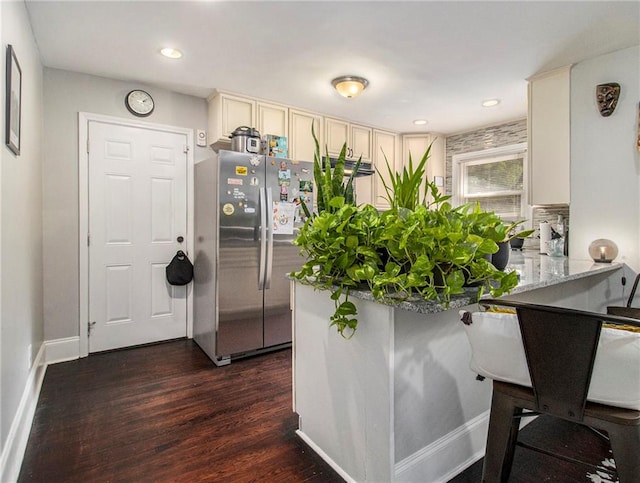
(625, 443)
(501, 438)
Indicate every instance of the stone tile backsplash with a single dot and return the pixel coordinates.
(493, 137)
(489, 137)
(548, 213)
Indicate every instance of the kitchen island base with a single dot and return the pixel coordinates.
(398, 402)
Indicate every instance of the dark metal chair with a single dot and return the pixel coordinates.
(627, 310)
(560, 347)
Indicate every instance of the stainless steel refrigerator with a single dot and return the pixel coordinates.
(247, 213)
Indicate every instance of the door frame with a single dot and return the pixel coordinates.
(83, 211)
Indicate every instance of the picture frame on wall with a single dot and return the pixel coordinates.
(13, 101)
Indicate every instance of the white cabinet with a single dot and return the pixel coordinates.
(229, 111)
(272, 119)
(414, 145)
(436, 163)
(549, 137)
(417, 145)
(226, 113)
(358, 139)
(336, 133)
(360, 142)
(301, 144)
(385, 145)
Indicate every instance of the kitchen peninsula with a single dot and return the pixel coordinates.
(398, 402)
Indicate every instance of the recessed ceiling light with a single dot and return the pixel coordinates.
(171, 53)
(490, 102)
(420, 122)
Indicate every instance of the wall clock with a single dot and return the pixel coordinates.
(139, 103)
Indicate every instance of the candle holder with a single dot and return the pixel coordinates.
(603, 250)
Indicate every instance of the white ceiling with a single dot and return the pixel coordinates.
(431, 60)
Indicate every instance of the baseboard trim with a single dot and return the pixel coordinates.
(51, 352)
(448, 456)
(62, 350)
(16, 443)
(325, 457)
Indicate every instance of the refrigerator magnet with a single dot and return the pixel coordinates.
(284, 178)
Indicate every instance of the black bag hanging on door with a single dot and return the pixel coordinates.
(180, 269)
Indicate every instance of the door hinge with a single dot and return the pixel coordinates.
(87, 144)
(88, 239)
(90, 326)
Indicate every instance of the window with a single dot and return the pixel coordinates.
(496, 178)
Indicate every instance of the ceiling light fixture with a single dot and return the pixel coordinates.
(490, 102)
(350, 85)
(171, 53)
(420, 122)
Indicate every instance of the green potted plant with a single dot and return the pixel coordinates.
(500, 259)
(421, 247)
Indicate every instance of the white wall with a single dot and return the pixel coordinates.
(2, 106)
(65, 94)
(21, 308)
(605, 164)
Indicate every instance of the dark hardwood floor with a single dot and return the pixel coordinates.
(166, 413)
(593, 460)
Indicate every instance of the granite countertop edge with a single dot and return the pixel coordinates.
(470, 296)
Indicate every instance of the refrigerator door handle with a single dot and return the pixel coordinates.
(263, 239)
(269, 210)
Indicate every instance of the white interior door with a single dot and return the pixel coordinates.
(137, 212)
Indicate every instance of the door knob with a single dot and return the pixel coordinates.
(180, 239)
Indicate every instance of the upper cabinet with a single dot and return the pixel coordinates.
(229, 111)
(385, 147)
(360, 142)
(336, 133)
(272, 119)
(358, 139)
(549, 137)
(226, 113)
(301, 144)
(416, 145)
(370, 189)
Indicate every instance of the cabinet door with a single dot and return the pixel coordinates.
(436, 163)
(384, 145)
(272, 119)
(414, 145)
(549, 138)
(336, 133)
(301, 145)
(364, 190)
(236, 112)
(360, 143)
(417, 145)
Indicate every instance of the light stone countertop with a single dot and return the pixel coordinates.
(534, 271)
